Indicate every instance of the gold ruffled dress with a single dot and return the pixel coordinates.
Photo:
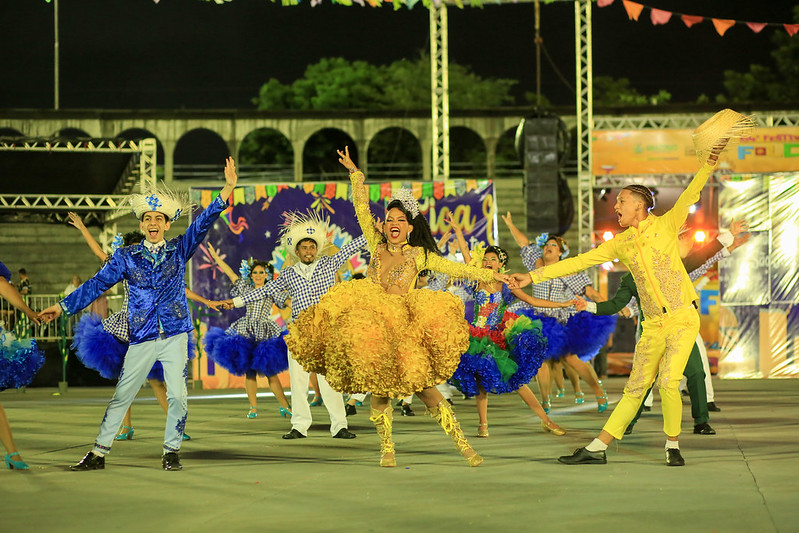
(364, 339)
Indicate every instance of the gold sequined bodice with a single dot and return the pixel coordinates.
(400, 278)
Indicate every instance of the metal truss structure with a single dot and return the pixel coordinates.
(102, 208)
(585, 123)
(439, 94)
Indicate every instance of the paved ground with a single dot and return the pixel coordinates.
(239, 474)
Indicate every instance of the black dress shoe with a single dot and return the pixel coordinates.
(293, 434)
(90, 461)
(704, 429)
(581, 456)
(629, 430)
(170, 461)
(673, 457)
(344, 433)
(647, 408)
(711, 406)
(407, 411)
(350, 409)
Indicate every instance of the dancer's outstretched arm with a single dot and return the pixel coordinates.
(224, 266)
(520, 238)
(216, 305)
(538, 302)
(76, 221)
(462, 244)
(10, 293)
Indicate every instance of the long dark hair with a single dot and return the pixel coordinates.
(421, 234)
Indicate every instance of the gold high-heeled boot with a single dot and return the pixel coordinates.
(446, 417)
(383, 420)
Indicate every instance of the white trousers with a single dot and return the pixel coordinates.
(706, 366)
(301, 411)
(140, 358)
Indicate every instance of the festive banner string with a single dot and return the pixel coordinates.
(661, 16)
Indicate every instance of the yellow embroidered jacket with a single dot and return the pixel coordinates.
(650, 252)
(404, 275)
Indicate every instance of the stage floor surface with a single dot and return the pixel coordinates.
(239, 474)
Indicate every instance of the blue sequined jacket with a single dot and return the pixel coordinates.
(157, 283)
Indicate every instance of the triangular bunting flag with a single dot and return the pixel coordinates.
(690, 20)
(722, 25)
(206, 198)
(658, 16)
(756, 26)
(238, 196)
(633, 9)
(791, 29)
(603, 3)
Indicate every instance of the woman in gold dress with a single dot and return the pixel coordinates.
(377, 334)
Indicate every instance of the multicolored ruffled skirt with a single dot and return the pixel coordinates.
(239, 355)
(99, 350)
(552, 330)
(365, 340)
(20, 359)
(503, 358)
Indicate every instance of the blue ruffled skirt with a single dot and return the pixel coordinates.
(240, 356)
(99, 350)
(587, 333)
(19, 360)
(553, 331)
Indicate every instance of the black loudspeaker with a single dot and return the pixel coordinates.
(543, 146)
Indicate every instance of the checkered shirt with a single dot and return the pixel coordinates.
(256, 324)
(117, 323)
(305, 293)
(555, 290)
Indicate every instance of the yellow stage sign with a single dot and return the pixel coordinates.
(626, 152)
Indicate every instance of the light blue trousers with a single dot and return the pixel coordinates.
(173, 354)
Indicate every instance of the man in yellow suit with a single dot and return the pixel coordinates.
(649, 250)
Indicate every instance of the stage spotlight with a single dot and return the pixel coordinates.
(607, 236)
(700, 236)
(692, 209)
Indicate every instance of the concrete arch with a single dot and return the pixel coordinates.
(72, 132)
(403, 154)
(265, 153)
(141, 133)
(317, 164)
(202, 149)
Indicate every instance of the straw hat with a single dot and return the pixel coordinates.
(299, 226)
(727, 124)
(162, 200)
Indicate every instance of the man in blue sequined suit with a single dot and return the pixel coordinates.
(158, 314)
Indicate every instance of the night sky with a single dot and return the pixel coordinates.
(125, 54)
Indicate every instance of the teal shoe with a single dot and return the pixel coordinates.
(358, 404)
(15, 465)
(186, 436)
(560, 393)
(125, 435)
(579, 397)
(547, 406)
(253, 413)
(602, 407)
(316, 402)
(285, 413)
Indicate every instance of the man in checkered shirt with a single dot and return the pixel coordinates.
(306, 282)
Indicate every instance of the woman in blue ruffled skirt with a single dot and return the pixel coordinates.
(20, 359)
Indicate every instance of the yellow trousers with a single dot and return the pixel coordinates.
(662, 351)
